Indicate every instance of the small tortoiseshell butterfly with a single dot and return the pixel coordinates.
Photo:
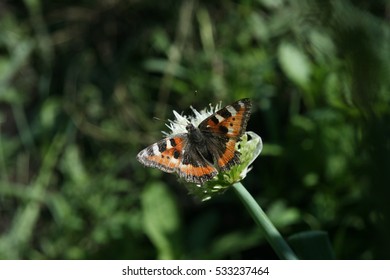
(198, 155)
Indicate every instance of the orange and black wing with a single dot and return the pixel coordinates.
(223, 129)
(165, 155)
(174, 154)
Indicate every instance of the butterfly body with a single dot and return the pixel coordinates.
(198, 155)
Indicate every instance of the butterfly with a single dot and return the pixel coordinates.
(198, 155)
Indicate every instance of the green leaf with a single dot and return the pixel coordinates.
(281, 215)
(312, 245)
(161, 219)
(236, 242)
(295, 64)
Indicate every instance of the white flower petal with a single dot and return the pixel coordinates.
(178, 125)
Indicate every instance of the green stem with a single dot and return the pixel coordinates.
(270, 232)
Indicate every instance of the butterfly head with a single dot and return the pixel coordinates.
(195, 135)
(190, 128)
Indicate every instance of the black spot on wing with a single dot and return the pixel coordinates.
(176, 154)
(223, 129)
(173, 142)
(225, 113)
(214, 119)
(162, 146)
(237, 106)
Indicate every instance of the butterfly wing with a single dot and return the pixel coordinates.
(165, 155)
(175, 154)
(230, 121)
(223, 129)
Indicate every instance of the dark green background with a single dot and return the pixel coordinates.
(81, 83)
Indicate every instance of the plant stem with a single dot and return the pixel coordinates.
(272, 235)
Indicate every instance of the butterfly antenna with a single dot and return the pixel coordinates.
(159, 119)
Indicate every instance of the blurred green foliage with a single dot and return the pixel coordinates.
(80, 83)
